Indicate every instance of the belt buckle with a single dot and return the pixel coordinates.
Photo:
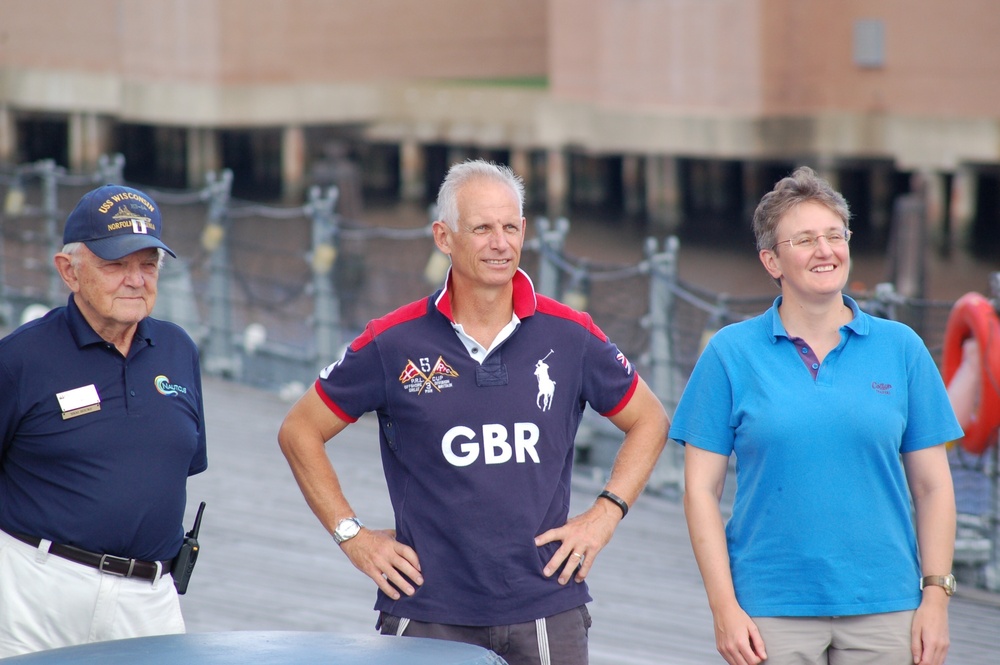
(105, 558)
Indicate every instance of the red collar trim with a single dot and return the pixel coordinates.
(525, 302)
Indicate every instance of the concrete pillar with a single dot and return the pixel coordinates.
(754, 187)
(963, 203)
(412, 170)
(8, 136)
(632, 182)
(202, 155)
(880, 177)
(88, 140)
(931, 186)
(663, 192)
(293, 163)
(826, 168)
(520, 163)
(556, 183)
(456, 155)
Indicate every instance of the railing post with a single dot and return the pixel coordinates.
(111, 169)
(552, 238)
(662, 280)
(220, 354)
(324, 255)
(992, 569)
(662, 277)
(50, 208)
(13, 207)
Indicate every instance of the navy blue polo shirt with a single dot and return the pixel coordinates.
(110, 479)
(478, 456)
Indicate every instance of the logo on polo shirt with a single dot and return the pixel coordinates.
(422, 377)
(164, 387)
(620, 357)
(882, 388)
(546, 386)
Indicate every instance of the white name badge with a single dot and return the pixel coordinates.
(79, 401)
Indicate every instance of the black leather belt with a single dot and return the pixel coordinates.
(106, 563)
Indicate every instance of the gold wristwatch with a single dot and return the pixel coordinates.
(947, 582)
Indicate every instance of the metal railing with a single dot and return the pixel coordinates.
(272, 294)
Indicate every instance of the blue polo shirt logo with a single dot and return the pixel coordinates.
(164, 387)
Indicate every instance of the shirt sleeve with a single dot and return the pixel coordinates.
(355, 384)
(703, 416)
(930, 417)
(609, 379)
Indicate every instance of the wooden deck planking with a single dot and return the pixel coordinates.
(266, 563)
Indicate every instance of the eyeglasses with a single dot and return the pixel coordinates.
(833, 239)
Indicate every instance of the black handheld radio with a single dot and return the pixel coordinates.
(184, 561)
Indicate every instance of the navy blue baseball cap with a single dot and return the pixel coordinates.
(113, 221)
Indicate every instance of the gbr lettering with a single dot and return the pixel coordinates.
(461, 448)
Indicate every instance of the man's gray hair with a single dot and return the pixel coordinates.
(73, 249)
(464, 172)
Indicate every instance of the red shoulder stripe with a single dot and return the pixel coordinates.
(378, 326)
(553, 307)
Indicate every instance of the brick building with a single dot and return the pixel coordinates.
(678, 112)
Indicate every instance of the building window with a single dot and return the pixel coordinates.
(869, 43)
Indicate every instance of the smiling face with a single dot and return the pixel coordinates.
(112, 295)
(485, 249)
(813, 273)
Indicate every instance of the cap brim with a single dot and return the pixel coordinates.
(115, 247)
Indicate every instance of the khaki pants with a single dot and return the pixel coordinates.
(867, 639)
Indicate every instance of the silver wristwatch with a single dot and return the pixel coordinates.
(347, 529)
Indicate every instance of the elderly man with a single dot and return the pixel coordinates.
(102, 422)
(479, 390)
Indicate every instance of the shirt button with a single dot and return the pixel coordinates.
(805, 349)
(475, 350)
(132, 393)
(815, 365)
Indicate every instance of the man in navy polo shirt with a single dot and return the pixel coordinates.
(479, 390)
(102, 422)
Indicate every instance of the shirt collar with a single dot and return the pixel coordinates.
(84, 334)
(859, 324)
(525, 301)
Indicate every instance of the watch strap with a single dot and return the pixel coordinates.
(947, 582)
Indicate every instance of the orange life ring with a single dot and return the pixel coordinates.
(973, 315)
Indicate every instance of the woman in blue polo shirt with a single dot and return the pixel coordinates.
(837, 419)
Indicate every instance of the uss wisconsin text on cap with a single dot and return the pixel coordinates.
(113, 221)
